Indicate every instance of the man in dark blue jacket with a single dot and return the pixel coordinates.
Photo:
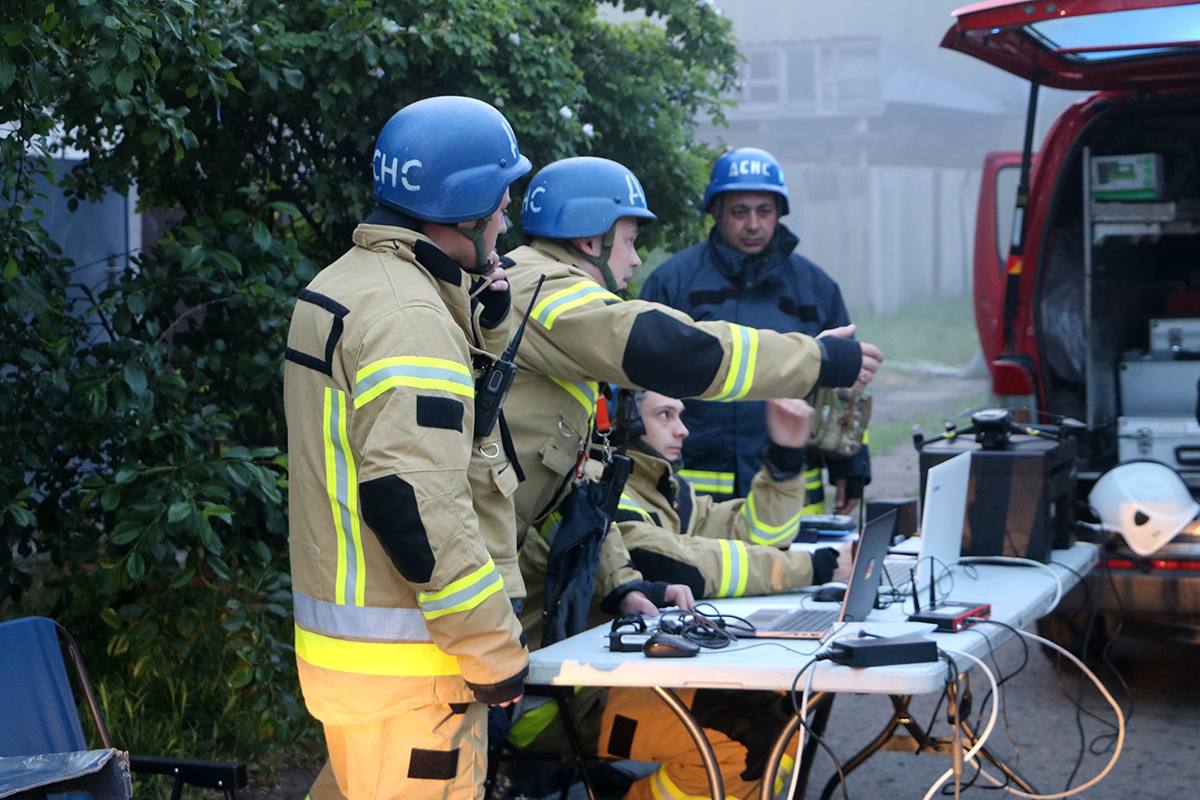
(747, 272)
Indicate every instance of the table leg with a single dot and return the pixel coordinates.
(995, 761)
(821, 706)
(900, 717)
(716, 784)
(576, 745)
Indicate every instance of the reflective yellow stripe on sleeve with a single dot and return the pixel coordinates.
(734, 568)
(392, 659)
(586, 392)
(341, 484)
(707, 481)
(552, 306)
(814, 490)
(463, 594)
(549, 526)
(761, 532)
(627, 503)
(812, 478)
(418, 372)
(742, 359)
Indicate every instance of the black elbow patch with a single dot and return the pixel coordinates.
(439, 412)
(658, 567)
(671, 357)
(389, 507)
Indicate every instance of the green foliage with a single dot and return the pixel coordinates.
(144, 482)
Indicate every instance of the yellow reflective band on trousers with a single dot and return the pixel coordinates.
(529, 726)
(761, 532)
(341, 483)
(627, 504)
(743, 357)
(418, 372)
(390, 659)
(663, 788)
(783, 773)
(551, 306)
(735, 568)
(707, 481)
(586, 392)
(463, 594)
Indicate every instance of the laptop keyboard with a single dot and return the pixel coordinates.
(804, 619)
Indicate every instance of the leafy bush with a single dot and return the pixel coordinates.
(142, 497)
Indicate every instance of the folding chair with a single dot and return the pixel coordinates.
(41, 738)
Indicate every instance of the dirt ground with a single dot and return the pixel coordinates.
(902, 398)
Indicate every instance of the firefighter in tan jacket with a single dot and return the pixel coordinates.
(583, 216)
(404, 632)
(719, 549)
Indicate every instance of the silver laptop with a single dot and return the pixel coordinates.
(942, 514)
(803, 622)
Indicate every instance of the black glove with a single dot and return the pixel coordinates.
(824, 562)
(841, 361)
(783, 463)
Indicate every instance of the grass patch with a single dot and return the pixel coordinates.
(888, 436)
(940, 330)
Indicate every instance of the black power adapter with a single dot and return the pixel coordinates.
(876, 651)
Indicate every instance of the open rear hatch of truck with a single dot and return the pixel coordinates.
(1109, 269)
(1136, 46)
(1084, 44)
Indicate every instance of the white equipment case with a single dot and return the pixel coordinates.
(1158, 384)
(1171, 335)
(1175, 441)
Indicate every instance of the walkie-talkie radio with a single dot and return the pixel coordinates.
(496, 379)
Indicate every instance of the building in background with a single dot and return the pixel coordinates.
(881, 134)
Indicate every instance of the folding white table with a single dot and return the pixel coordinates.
(1019, 595)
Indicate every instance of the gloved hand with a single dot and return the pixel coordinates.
(824, 562)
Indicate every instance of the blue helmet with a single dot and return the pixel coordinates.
(446, 159)
(747, 169)
(582, 196)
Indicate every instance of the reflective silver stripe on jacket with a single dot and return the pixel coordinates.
(360, 622)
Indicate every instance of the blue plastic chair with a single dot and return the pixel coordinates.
(39, 713)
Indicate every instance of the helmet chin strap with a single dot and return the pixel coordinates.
(600, 261)
(474, 233)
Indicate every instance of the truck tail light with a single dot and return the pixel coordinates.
(1154, 564)
(1011, 377)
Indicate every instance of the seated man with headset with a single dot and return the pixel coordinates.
(720, 549)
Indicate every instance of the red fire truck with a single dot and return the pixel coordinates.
(1087, 286)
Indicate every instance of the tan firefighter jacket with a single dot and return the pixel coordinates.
(719, 549)
(580, 335)
(398, 603)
